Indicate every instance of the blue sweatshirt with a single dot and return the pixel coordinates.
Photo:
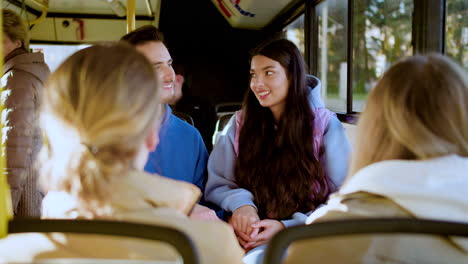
(221, 187)
(181, 153)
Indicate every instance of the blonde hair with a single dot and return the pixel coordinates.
(418, 110)
(14, 28)
(98, 107)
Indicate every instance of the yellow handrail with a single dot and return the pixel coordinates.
(39, 19)
(148, 8)
(6, 212)
(130, 15)
(43, 3)
(45, 7)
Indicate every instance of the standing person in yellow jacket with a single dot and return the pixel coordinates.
(24, 74)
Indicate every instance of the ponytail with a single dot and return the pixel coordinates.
(98, 107)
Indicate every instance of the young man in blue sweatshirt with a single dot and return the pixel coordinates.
(181, 153)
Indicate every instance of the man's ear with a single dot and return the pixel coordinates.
(152, 139)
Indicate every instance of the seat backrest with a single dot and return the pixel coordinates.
(229, 107)
(180, 241)
(185, 117)
(340, 233)
(351, 132)
(223, 120)
(97, 261)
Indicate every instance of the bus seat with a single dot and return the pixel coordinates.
(185, 117)
(224, 111)
(223, 120)
(228, 107)
(94, 241)
(370, 241)
(351, 132)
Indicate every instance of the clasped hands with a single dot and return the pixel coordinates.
(252, 232)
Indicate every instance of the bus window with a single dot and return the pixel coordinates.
(56, 54)
(295, 33)
(381, 35)
(456, 40)
(332, 53)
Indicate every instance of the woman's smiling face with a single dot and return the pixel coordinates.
(269, 82)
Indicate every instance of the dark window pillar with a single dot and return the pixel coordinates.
(429, 26)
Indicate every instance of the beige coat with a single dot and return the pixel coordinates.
(23, 78)
(140, 197)
(373, 249)
(431, 189)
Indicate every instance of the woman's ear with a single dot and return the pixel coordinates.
(152, 139)
(18, 43)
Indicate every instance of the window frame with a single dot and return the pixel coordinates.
(428, 35)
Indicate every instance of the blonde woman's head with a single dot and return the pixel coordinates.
(418, 110)
(15, 33)
(100, 111)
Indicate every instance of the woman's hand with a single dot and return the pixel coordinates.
(268, 229)
(201, 212)
(242, 220)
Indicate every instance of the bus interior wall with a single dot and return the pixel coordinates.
(213, 55)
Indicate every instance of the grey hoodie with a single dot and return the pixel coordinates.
(221, 187)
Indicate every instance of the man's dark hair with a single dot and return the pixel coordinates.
(143, 34)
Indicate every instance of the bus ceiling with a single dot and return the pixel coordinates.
(83, 21)
(251, 14)
(89, 21)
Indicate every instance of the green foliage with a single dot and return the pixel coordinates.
(457, 25)
(382, 33)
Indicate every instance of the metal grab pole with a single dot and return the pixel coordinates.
(130, 15)
(149, 9)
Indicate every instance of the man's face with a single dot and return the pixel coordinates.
(159, 56)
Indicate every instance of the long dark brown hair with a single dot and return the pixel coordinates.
(276, 160)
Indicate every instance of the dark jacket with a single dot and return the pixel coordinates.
(23, 78)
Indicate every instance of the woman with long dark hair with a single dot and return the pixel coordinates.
(282, 155)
